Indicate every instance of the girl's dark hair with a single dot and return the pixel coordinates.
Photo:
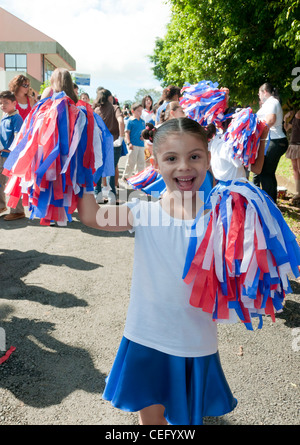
(172, 106)
(210, 131)
(270, 89)
(174, 126)
(144, 101)
(170, 92)
(149, 132)
(102, 97)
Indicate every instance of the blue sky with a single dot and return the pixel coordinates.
(109, 39)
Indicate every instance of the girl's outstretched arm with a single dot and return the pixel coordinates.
(109, 217)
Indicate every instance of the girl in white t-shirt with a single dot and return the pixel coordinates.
(167, 366)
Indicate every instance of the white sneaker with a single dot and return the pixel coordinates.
(99, 198)
(111, 199)
(105, 190)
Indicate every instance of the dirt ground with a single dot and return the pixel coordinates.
(63, 302)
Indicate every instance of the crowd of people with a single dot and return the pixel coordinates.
(167, 366)
(128, 124)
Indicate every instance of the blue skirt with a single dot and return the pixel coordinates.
(188, 388)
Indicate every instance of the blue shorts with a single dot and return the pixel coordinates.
(188, 388)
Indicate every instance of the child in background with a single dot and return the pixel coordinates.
(293, 151)
(173, 109)
(10, 125)
(135, 143)
(170, 93)
(167, 366)
(85, 97)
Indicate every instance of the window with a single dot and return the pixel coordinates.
(48, 69)
(15, 62)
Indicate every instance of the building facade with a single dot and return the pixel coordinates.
(25, 50)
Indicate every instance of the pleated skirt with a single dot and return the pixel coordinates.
(189, 388)
(293, 151)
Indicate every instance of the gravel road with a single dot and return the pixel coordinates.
(63, 301)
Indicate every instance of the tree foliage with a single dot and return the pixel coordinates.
(239, 43)
(152, 92)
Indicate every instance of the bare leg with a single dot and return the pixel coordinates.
(153, 415)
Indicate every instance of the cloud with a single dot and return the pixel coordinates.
(108, 39)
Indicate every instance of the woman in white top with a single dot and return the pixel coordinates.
(271, 113)
(147, 113)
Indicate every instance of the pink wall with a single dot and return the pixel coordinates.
(13, 29)
(35, 66)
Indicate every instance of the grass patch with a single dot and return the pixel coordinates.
(284, 168)
(291, 216)
(291, 213)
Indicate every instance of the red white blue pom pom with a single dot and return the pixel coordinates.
(243, 136)
(143, 178)
(242, 264)
(204, 102)
(60, 150)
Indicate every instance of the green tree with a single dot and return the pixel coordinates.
(152, 92)
(44, 85)
(238, 43)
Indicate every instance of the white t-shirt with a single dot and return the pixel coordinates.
(223, 166)
(272, 106)
(159, 314)
(147, 116)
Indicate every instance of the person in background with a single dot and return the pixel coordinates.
(10, 125)
(20, 86)
(85, 97)
(171, 93)
(293, 151)
(173, 110)
(104, 107)
(76, 89)
(147, 113)
(32, 94)
(135, 143)
(60, 80)
(223, 166)
(271, 113)
(118, 147)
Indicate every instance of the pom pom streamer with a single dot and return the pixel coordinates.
(240, 269)
(243, 136)
(7, 355)
(143, 178)
(204, 102)
(60, 150)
